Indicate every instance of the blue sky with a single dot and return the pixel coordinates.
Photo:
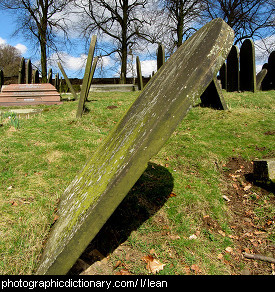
(74, 61)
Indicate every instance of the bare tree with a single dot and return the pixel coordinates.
(248, 18)
(120, 21)
(39, 20)
(10, 59)
(183, 16)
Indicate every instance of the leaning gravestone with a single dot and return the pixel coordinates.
(85, 84)
(232, 67)
(269, 81)
(247, 66)
(139, 74)
(259, 78)
(122, 157)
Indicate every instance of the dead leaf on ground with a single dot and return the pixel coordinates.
(196, 269)
(123, 272)
(153, 265)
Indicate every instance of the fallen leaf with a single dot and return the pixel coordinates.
(221, 233)
(226, 198)
(55, 217)
(123, 272)
(193, 236)
(229, 249)
(195, 268)
(153, 265)
(13, 203)
(247, 187)
(220, 256)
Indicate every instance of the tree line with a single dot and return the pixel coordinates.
(127, 25)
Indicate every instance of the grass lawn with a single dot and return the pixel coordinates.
(193, 211)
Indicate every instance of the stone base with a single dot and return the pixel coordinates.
(29, 94)
(264, 170)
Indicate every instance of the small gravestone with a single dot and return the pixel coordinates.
(264, 170)
(139, 74)
(36, 77)
(232, 67)
(29, 72)
(50, 76)
(22, 68)
(213, 97)
(1, 79)
(56, 81)
(247, 66)
(259, 78)
(122, 157)
(223, 76)
(160, 56)
(269, 81)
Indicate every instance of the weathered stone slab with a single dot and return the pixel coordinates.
(264, 170)
(259, 78)
(247, 66)
(232, 67)
(29, 94)
(122, 157)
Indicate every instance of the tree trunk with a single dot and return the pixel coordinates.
(43, 61)
(124, 45)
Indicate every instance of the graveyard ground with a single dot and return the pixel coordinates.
(195, 210)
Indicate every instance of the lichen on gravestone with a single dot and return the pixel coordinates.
(122, 157)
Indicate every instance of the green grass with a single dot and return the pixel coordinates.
(40, 158)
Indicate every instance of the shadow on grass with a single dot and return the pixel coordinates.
(146, 197)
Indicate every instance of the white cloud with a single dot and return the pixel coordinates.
(21, 48)
(147, 67)
(2, 41)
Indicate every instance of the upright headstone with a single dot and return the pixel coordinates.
(223, 76)
(269, 81)
(67, 80)
(1, 79)
(213, 97)
(22, 68)
(36, 77)
(259, 78)
(247, 66)
(232, 69)
(56, 81)
(85, 83)
(139, 74)
(29, 72)
(50, 76)
(122, 157)
(160, 56)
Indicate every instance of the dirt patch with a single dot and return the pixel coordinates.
(253, 217)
